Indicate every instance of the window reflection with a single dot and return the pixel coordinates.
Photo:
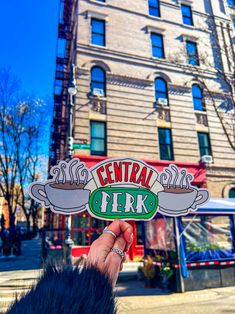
(207, 233)
(96, 223)
(80, 238)
(86, 229)
(159, 234)
(80, 221)
(139, 237)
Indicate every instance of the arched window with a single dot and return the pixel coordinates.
(161, 90)
(98, 81)
(197, 93)
(232, 193)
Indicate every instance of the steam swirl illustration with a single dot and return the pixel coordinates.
(174, 178)
(163, 177)
(85, 175)
(183, 174)
(73, 163)
(55, 172)
(72, 172)
(63, 166)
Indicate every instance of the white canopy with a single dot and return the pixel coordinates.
(218, 206)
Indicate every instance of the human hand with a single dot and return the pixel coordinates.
(100, 254)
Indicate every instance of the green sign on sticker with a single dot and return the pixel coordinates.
(81, 146)
(124, 203)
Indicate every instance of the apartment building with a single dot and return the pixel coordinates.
(155, 81)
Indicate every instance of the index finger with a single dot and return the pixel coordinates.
(122, 227)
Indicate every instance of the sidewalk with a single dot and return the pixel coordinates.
(151, 301)
(18, 274)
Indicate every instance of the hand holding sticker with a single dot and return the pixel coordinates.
(101, 254)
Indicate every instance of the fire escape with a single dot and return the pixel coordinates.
(59, 127)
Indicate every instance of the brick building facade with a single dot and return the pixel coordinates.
(148, 83)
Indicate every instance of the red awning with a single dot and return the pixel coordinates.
(196, 169)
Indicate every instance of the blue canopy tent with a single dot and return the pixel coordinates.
(215, 230)
(204, 238)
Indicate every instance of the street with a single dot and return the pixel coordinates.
(221, 300)
(17, 275)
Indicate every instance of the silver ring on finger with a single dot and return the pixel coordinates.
(106, 230)
(118, 251)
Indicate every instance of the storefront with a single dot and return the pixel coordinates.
(205, 257)
(85, 229)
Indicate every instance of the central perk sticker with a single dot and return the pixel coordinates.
(122, 188)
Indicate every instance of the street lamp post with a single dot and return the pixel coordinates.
(72, 90)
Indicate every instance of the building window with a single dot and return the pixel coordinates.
(97, 32)
(154, 8)
(165, 144)
(157, 45)
(232, 193)
(187, 14)
(231, 3)
(198, 102)
(98, 138)
(192, 53)
(98, 82)
(204, 144)
(161, 90)
(86, 229)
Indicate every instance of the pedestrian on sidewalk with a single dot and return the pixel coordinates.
(86, 288)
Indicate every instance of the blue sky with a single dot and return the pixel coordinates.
(28, 32)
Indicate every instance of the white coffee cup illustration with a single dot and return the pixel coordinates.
(179, 201)
(65, 192)
(179, 196)
(61, 197)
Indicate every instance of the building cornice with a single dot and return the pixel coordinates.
(128, 80)
(154, 29)
(162, 64)
(97, 15)
(166, 4)
(152, 18)
(138, 82)
(220, 171)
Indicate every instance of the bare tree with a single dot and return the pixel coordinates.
(217, 59)
(8, 169)
(22, 125)
(32, 165)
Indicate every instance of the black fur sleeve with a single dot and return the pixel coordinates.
(82, 290)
